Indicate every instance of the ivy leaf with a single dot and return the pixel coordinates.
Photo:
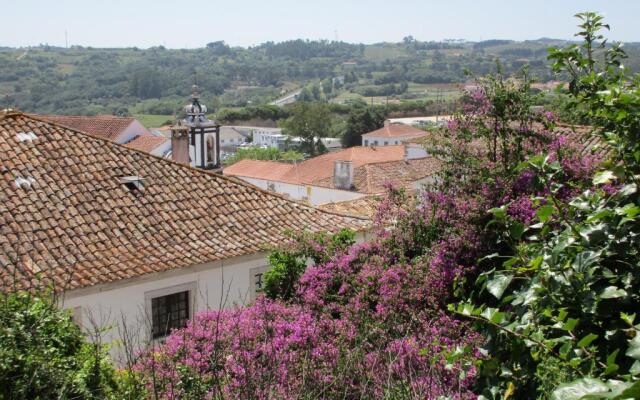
(516, 230)
(498, 284)
(612, 292)
(612, 367)
(493, 315)
(635, 368)
(498, 212)
(594, 233)
(570, 324)
(603, 177)
(630, 392)
(586, 341)
(545, 212)
(628, 318)
(634, 347)
(577, 390)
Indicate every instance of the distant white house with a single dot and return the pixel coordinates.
(391, 134)
(233, 136)
(434, 120)
(274, 138)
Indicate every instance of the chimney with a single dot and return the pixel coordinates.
(387, 122)
(180, 144)
(343, 174)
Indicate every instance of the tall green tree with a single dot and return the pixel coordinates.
(359, 122)
(311, 122)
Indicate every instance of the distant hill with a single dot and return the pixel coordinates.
(84, 80)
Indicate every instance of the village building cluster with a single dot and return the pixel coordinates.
(139, 229)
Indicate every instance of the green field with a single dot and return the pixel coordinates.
(153, 121)
(383, 52)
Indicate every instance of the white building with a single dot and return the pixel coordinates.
(273, 137)
(391, 134)
(234, 136)
(433, 120)
(134, 242)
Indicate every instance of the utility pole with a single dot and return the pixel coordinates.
(66, 39)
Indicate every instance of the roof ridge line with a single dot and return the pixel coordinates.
(175, 163)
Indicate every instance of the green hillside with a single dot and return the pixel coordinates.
(156, 81)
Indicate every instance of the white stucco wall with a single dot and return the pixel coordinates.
(123, 308)
(381, 141)
(229, 136)
(315, 195)
(415, 150)
(161, 150)
(213, 286)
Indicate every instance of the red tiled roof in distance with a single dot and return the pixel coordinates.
(68, 218)
(365, 206)
(371, 178)
(147, 143)
(270, 170)
(105, 126)
(316, 168)
(396, 131)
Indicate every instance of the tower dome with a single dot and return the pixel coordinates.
(196, 112)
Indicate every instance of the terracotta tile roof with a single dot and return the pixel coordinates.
(147, 143)
(270, 170)
(366, 206)
(371, 178)
(584, 137)
(373, 167)
(316, 168)
(105, 126)
(396, 131)
(65, 213)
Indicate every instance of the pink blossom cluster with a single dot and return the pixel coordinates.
(369, 321)
(365, 324)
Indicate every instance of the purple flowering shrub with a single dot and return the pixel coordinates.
(371, 320)
(368, 323)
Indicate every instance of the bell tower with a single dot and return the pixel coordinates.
(202, 134)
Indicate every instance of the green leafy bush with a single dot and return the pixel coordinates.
(558, 298)
(44, 354)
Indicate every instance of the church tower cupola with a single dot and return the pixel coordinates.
(202, 134)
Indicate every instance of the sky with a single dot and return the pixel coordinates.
(191, 24)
